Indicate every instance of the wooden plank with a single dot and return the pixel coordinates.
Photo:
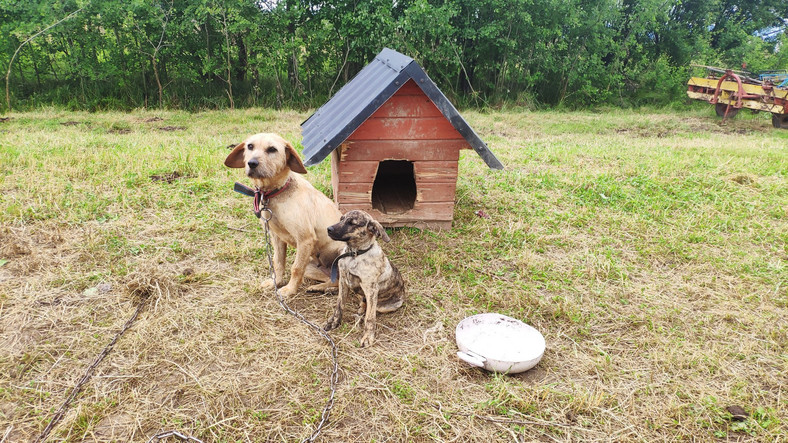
(363, 172)
(425, 128)
(431, 172)
(413, 150)
(436, 192)
(408, 106)
(335, 173)
(355, 193)
(426, 192)
(425, 172)
(409, 88)
(422, 212)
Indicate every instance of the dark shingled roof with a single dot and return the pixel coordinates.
(352, 105)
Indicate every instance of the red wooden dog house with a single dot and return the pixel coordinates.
(394, 141)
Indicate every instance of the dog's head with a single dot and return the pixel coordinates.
(264, 156)
(357, 228)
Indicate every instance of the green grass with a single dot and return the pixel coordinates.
(650, 249)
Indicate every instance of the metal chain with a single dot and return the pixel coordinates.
(88, 373)
(175, 434)
(266, 216)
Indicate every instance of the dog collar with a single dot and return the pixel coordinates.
(335, 264)
(259, 196)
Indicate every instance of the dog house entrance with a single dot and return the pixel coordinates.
(394, 189)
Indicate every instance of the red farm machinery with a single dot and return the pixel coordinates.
(730, 90)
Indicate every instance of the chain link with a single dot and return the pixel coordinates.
(335, 365)
(88, 373)
(175, 434)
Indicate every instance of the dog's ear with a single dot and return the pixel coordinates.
(236, 158)
(293, 160)
(377, 229)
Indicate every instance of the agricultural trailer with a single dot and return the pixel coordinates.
(734, 90)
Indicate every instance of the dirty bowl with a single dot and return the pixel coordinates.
(499, 343)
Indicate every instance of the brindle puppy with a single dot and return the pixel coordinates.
(366, 271)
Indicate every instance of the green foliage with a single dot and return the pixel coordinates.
(197, 54)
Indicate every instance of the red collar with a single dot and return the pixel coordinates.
(265, 197)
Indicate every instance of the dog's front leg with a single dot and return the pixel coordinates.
(279, 259)
(304, 249)
(371, 294)
(336, 319)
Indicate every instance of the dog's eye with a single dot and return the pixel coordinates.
(250, 146)
(270, 150)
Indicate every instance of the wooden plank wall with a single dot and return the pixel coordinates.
(407, 127)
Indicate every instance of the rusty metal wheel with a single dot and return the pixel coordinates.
(780, 121)
(720, 109)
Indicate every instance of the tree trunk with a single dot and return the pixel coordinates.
(229, 65)
(35, 70)
(280, 94)
(240, 69)
(120, 52)
(21, 72)
(158, 79)
(207, 44)
(52, 65)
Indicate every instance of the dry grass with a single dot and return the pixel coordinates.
(649, 249)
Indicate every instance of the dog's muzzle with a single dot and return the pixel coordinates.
(252, 170)
(335, 234)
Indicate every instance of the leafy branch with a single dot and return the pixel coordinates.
(19, 48)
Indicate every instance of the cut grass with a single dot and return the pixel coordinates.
(651, 250)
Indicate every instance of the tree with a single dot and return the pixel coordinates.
(25, 42)
(157, 18)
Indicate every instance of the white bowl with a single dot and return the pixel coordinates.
(499, 343)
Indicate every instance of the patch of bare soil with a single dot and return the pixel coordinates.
(119, 131)
(647, 132)
(25, 252)
(12, 244)
(169, 178)
(743, 179)
(743, 127)
(171, 128)
(153, 120)
(4, 119)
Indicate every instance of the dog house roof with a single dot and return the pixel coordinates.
(352, 105)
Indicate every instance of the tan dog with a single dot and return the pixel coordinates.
(300, 213)
(365, 270)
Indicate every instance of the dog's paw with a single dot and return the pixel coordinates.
(268, 284)
(368, 339)
(322, 287)
(333, 323)
(288, 290)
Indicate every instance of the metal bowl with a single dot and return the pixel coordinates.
(499, 343)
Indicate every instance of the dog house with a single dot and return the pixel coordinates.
(394, 141)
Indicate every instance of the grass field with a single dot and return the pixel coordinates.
(650, 249)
